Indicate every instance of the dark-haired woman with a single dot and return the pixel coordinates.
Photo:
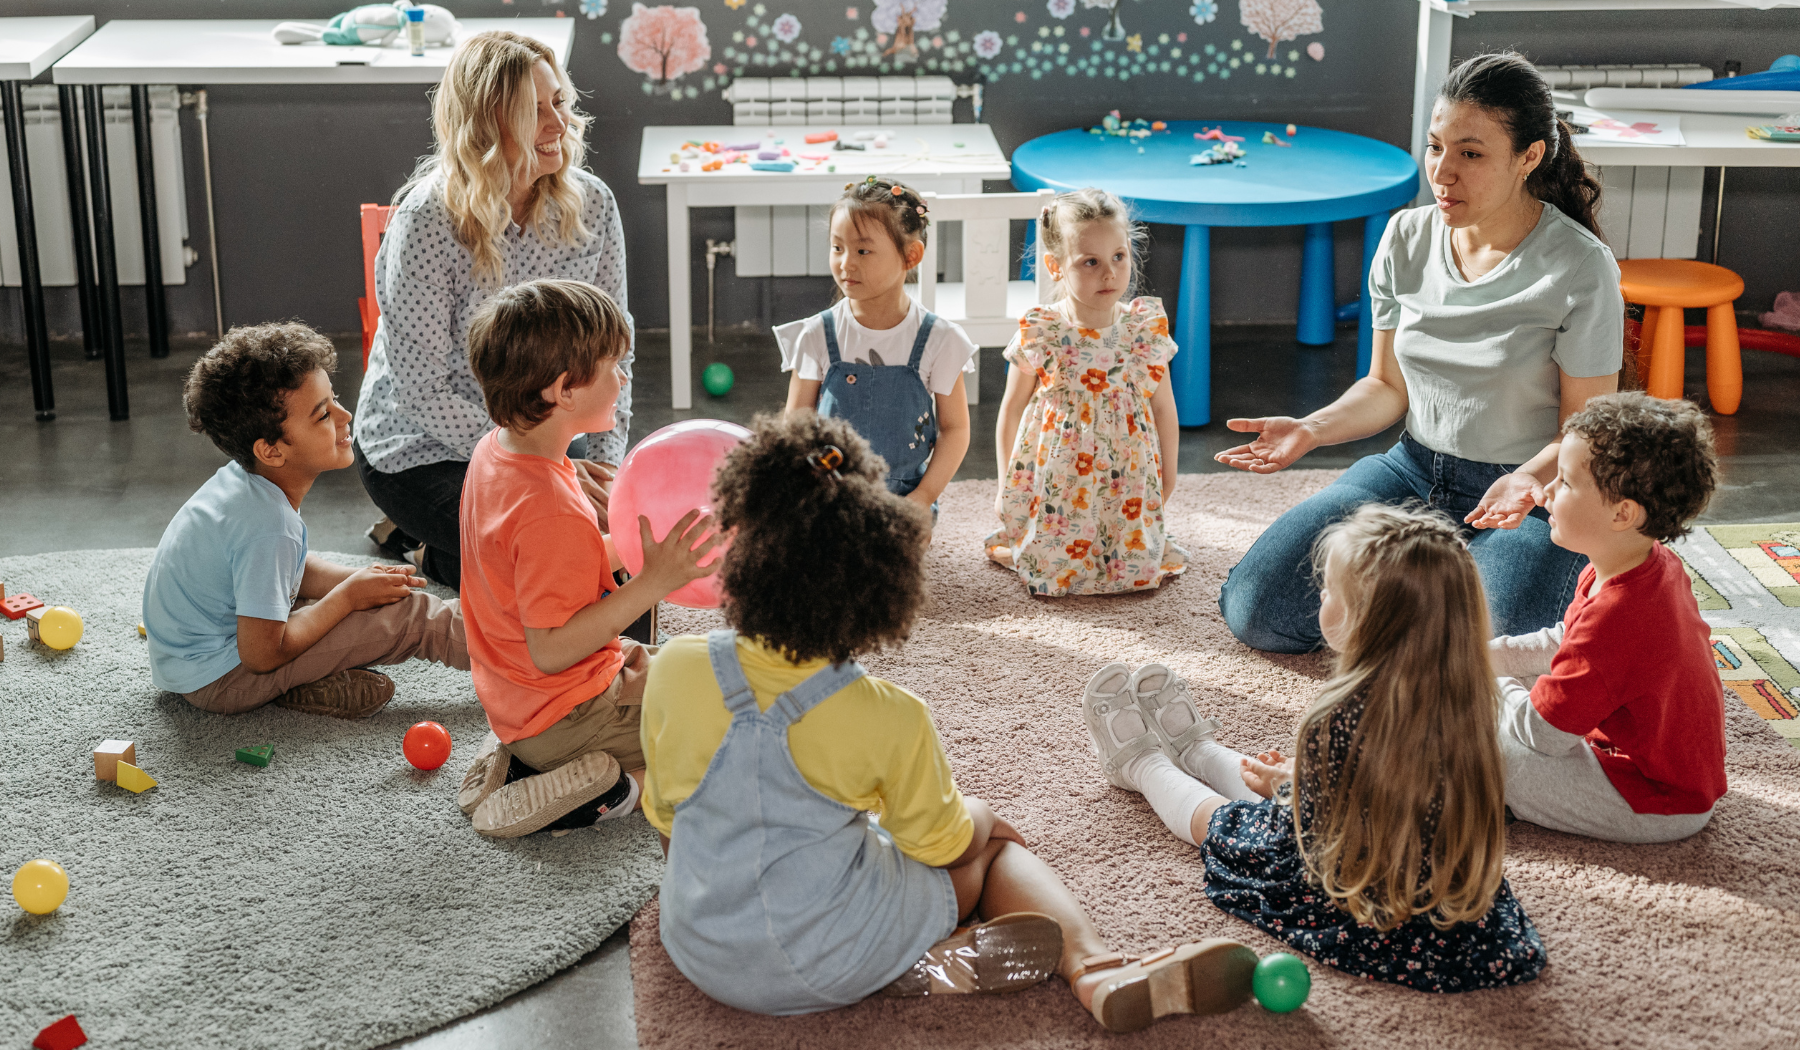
(819, 850)
(1497, 315)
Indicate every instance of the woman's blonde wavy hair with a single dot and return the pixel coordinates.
(1425, 757)
(486, 97)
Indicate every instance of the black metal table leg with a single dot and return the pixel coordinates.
(156, 308)
(111, 326)
(69, 102)
(31, 285)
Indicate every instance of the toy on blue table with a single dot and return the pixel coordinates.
(1224, 153)
(1272, 139)
(1135, 130)
(371, 25)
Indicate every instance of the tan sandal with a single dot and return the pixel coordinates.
(1208, 977)
(1007, 954)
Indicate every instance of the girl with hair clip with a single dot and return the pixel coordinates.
(1377, 849)
(877, 358)
(1087, 435)
(819, 850)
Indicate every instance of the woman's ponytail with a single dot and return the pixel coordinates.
(1505, 85)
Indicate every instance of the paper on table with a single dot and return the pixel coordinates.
(1630, 126)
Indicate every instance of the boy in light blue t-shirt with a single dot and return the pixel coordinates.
(237, 613)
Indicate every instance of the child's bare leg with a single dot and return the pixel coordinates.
(1006, 877)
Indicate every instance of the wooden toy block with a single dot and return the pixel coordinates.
(109, 754)
(2, 649)
(256, 756)
(33, 622)
(141, 632)
(18, 605)
(65, 1034)
(133, 779)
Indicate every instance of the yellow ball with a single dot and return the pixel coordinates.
(60, 628)
(40, 886)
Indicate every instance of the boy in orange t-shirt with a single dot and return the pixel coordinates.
(561, 688)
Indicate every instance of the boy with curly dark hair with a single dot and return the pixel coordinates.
(1622, 737)
(237, 613)
(819, 850)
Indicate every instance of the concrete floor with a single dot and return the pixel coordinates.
(83, 482)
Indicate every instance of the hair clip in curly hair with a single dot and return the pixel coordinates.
(826, 460)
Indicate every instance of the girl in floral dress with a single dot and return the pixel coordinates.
(1377, 850)
(1088, 436)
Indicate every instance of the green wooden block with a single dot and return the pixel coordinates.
(256, 756)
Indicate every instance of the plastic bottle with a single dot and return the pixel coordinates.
(415, 30)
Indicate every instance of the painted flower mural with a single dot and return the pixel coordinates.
(593, 8)
(1316, 51)
(903, 18)
(663, 43)
(1204, 11)
(1278, 20)
(988, 44)
(1060, 9)
(787, 29)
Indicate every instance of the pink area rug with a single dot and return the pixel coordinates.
(1687, 945)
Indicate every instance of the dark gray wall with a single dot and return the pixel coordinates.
(291, 164)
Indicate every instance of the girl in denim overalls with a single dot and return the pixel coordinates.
(819, 850)
(877, 358)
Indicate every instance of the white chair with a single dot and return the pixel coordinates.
(985, 303)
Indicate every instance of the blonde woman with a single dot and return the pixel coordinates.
(502, 199)
(1377, 849)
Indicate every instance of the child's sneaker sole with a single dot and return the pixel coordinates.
(529, 805)
(347, 694)
(486, 775)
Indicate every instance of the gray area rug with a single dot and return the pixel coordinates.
(337, 898)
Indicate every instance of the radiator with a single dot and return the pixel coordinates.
(1651, 213)
(50, 189)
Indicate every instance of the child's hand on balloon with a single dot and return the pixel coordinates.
(674, 560)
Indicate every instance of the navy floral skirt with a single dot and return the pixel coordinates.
(1254, 871)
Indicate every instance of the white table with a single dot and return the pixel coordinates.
(224, 51)
(28, 46)
(924, 156)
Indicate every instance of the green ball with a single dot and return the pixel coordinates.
(1282, 982)
(717, 379)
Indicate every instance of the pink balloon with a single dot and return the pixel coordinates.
(668, 474)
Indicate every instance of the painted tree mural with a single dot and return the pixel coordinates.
(903, 18)
(1278, 20)
(664, 42)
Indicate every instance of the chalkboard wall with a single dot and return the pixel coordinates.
(291, 164)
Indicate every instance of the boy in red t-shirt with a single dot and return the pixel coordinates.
(561, 688)
(1623, 735)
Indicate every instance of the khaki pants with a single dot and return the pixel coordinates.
(608, 722)
(419, 625)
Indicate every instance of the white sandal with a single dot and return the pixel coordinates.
(1116, 727)
(1170, 710)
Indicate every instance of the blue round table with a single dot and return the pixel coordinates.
(1324, 177)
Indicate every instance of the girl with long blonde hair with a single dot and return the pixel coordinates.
(1378, 847)
(502, 199)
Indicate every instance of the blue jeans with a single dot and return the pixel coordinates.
(1270, 601)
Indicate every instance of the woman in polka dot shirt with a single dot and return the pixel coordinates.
(472, 220)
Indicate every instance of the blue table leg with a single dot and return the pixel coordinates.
(1028, 262)
(1190, 372)
(1373, 227)
(1318, 305)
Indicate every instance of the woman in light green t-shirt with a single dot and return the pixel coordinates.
(1497, 315)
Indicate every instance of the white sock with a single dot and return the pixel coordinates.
(1218, 766)
(1171, 793)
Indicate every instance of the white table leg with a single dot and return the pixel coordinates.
(681, 306)
(1431, 66)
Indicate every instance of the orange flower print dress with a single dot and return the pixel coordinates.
(1081, 506)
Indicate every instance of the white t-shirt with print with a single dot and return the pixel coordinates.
(948, 351)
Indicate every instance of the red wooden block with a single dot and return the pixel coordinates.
(18, 605)
(65, 1034)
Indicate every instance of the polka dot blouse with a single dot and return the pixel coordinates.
(420, 403)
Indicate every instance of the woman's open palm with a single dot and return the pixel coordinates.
(1279, 442)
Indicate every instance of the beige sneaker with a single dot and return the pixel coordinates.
(528, 805)
(486, 775)
(347, 694)
(1007, 954)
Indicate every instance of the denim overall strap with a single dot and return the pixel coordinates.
(792, 706)
(918, 351)
(721, 648)
(830, 325)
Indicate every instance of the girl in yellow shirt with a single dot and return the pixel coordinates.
(819, 850)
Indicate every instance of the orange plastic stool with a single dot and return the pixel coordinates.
(1665, 287)
(375, 219)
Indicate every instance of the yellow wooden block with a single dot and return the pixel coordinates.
(133, 779)
(141, 632)
(107, 756)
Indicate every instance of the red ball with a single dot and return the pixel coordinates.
(427, 745)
